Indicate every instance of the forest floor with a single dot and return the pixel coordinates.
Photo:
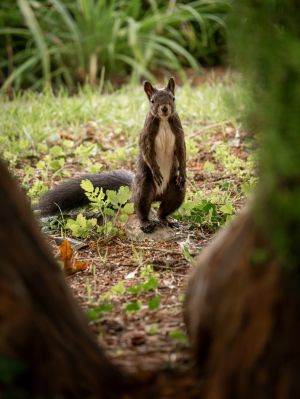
(132, 289)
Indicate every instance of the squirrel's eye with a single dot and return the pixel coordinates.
(173, 98)
(152, 101)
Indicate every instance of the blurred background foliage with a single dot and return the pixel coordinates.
(73, 42)
(271, 62)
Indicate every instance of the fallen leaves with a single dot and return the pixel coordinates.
(67, 256)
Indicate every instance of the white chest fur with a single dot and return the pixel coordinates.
(164, 150)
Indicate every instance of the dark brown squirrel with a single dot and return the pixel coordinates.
(160, 171)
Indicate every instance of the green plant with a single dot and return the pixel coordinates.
(81, 227)
(132, 306)
(211, 212)
(112, 205)
(154, 303)
(178, 336)
(98, 311)
(146, 286)
(37, 189)
(71, 41)
(185, 249)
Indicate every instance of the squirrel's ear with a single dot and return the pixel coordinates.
(149, 89)
(171, 85)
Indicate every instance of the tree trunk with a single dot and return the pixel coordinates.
(46, 347)
(243, 319)
(243, 302)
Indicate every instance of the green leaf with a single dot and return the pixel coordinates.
(136, 289)
(128, 208)
(108, 212)
(123, 218)
(112, 196)
(41, 165)
(208, 167)
(186, 252)
(97, 312)
(132, 306)
(57, 164)
(151, 284)
(81, 220)
(124, 194)
(56, 151)
(227, 209)
(118, 289)
(154, 303)
(87, 185)
(178, 336)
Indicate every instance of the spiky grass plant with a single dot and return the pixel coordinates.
(76, 41)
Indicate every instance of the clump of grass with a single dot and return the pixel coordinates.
(77, 41)
(33, 123)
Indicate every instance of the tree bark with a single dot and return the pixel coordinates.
(46, 347)
(243, 318)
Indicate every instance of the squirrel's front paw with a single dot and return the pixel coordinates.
(158, 178)
(180, 182)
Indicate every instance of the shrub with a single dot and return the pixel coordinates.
(78, 41)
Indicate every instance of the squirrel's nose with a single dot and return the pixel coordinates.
(164, 109)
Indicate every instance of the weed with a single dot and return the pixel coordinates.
(132, 306)
(212, 212)
(178, 336)
(154, 303)
(185, 249)
(98, 311)
(112, 206)
(81, 227)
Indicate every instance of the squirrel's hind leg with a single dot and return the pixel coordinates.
(173, 197)
(144, 193)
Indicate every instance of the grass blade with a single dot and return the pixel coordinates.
(38, 37)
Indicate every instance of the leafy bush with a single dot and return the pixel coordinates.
(78, 41)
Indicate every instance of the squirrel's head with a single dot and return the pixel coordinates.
(162, 101)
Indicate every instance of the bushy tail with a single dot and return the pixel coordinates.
(69, 195)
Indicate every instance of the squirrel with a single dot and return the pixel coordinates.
(160, 170)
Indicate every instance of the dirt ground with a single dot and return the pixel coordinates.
(145, 340)
(142, 340)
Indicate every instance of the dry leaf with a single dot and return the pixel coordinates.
(71, 265)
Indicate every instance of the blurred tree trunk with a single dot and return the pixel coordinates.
(46, 347)
(243, 301)
(243, 318)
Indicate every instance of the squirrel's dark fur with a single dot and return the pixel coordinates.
(69, 195)
(160, 172)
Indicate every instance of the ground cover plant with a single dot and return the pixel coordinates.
(132, 291)
(70, 42)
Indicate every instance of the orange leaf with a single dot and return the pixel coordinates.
(66, 251)
(80, 265)
(71, 265)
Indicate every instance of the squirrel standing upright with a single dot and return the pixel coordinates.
(160, 172)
